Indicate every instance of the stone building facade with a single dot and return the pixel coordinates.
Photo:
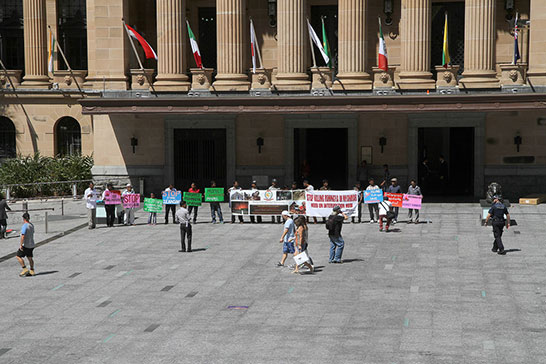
(175, 123)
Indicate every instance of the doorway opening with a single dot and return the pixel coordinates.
(200, 157)
(454, 177)
(321, 153)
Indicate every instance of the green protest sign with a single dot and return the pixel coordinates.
(153, 205)
(193, 199)
(214, 194)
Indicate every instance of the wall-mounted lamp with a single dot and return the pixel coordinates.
(388, 9)
(517, 142)
(134, 143)
(272, 12)
(260, 144)
(382, 143)
(509, 6)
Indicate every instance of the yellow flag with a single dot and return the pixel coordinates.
(446, 60)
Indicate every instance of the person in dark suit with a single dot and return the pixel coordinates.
(3, 216)
(500, 217)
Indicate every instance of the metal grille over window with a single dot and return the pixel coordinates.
(69, 138)
(455, 13)
(12, 50)
(7, 138)
(72, 33)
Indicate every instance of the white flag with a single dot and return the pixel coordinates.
(253, 46)
(317, 42)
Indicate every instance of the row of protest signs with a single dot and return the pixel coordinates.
(174, 197)
(114, 197)
(396, 199)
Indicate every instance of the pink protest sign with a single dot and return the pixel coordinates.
(131, 201)
(112, 197)
(412, 202)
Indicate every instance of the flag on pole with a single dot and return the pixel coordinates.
(316, 40)
(516, 47)
(446, 59)
(50, 51)
(194, 47)
(382, 58)
(325, 44)
(253, 46)
(148, 51)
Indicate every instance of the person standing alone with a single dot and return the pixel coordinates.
(497, 212)
(26, 248)
(183, 218)
(334, 225)
(3, 216)
(90, 196)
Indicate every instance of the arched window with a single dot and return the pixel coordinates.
(72, 29)
(69, 137)
(12, 50)
(7, 138)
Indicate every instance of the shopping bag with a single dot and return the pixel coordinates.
(301, 258)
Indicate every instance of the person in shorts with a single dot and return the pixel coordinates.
(287, 238)
(27, 247)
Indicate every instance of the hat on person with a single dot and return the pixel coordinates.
(274, 180)
(128, 185)
(254, 182)
(337, 208)
(394, 179)
(285, 213)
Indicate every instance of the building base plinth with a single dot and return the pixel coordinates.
(382, 78)
(446, 77)
(201, 78)
(512, 74)
(292, 82)
(416, 81)
(479, 80)
(231, 82)
(172, 83)
(357, 81)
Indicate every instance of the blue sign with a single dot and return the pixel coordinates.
(172, 197)
(373, 196)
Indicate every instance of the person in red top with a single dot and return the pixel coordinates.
(193, 209)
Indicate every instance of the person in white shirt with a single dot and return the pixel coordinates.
(129, 218)
(274, 187)
(170, 207)
(184, 219)
(309, 188)
(385, 212)
(90, 197)
(373, 206)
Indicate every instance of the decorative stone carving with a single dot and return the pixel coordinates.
(201, 79)
(383, 79)
(446, 77)
(65, 80)
(322, 78)
(14, 75)
(141, 81)
(261, 79)
(512, 74)
(68, 80)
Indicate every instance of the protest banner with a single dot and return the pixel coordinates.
(153, 205)
(395, 198)
(373, 196)
(171, 197)
(412, 202)
(320, 203)
(214, 194)
(193, 199)
(112, 197)
(131, 201)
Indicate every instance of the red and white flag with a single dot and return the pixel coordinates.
(148, 50)
(382, 58)
(253, 46)
(194, 47)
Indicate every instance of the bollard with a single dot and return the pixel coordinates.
(45, 222)
(74, 192)
(62, 206)
(25, 206)
(8, 194)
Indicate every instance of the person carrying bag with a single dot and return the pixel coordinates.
(385, 211)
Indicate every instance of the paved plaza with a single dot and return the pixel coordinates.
(428, 293)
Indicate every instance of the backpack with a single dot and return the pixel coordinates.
(390, 215)
(330, 223)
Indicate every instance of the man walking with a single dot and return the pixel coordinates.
(373, 207)
(90, 196)
(170, 207)
(129, 218)
(334, 225)
(215, 208)
(183, 218)
(414, 190)
(394, 188)
(287, 238)
(496, 213)
(26, 247)
(3, 216)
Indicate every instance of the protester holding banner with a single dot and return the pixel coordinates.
(414, 190)
(394, 188)
(373, 207)
(334, 225)
(170, 207)
(360, 199)
(193, 209)
(129, 218)
(152, 218)
(309, 188)
(385, 212)
(183, 218)
(325, 187)
(287, 238)
(110, 208)
(215, 208)
(235, 187)
(254, 187)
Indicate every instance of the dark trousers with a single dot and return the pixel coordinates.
(498, 227)
(167, 209)
(253, 219)
(194, 210)
(278, 219)
(185, 231)
(110, 214)
(3, 228)
(371, 208)
(359, 214)
(233, 218)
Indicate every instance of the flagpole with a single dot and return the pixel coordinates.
(67, 64)
(514, 60)
(137, 56)
(257, 46)
(311, 44)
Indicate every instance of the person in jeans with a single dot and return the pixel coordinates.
(110, 209)
(496, 213)
(170, 207)
(414, 190)
(184, 219)
(90, 197)
(3, 216)
(384, 208)
(26, 247)
(334, 225)
(287, 238)
(152, 218)
(129, 218)
(215, 208)
(373, 207)
(394, 188)
(194, 209)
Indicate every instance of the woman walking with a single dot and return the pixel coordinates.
(302, 233)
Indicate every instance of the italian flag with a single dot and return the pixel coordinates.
(382, 58)
(446, 59)
(194, 47)
(50, 51)
(148, 50)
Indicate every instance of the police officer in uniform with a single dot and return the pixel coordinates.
(496, 214)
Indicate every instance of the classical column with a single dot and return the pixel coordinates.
(415, 68)
(171, 46)
(35, 33)
(479, 45)
(230, 30)
(291, 46)
(537, 44)
(352, 46)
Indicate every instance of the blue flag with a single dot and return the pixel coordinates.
(516, 47)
